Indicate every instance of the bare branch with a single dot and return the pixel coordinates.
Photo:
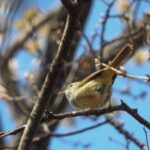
(59, 135)
(10, 98)
(127, 134)
(99, 112)
(105, 19)
(125, 74)
(47, 135)
(4, 134)
(49, 83)
(146, 138)
(96, 112)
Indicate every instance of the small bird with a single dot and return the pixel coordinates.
(95, 90)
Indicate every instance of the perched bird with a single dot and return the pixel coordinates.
(95, 90)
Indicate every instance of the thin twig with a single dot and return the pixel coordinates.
(89, 44)
(10, 98)
(59, 135)
(125, 74)
(146, 138)
(4, 134)
(105, 19)
(119, 127)
(116, 141)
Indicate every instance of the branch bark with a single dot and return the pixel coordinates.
(49, 84)
(97, 112)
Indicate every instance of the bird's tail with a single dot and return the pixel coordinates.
(108, 73)
(118, 60)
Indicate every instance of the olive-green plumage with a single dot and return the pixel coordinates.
(95, 90)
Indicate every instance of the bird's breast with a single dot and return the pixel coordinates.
(92, 98)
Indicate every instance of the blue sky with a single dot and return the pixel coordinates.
(97, 138)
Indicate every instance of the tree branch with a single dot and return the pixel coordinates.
(96, 112)
(125, 74)
(127, 135)
(49, 84)
(59, 135)
(4, 134)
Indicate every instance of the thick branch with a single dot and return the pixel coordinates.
(49, 83)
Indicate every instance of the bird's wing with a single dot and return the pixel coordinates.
(107, 73)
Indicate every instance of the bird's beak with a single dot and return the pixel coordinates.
(61, 93)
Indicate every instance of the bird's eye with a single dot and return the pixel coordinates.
(70, 85)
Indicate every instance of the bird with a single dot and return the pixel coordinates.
(94, 91)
